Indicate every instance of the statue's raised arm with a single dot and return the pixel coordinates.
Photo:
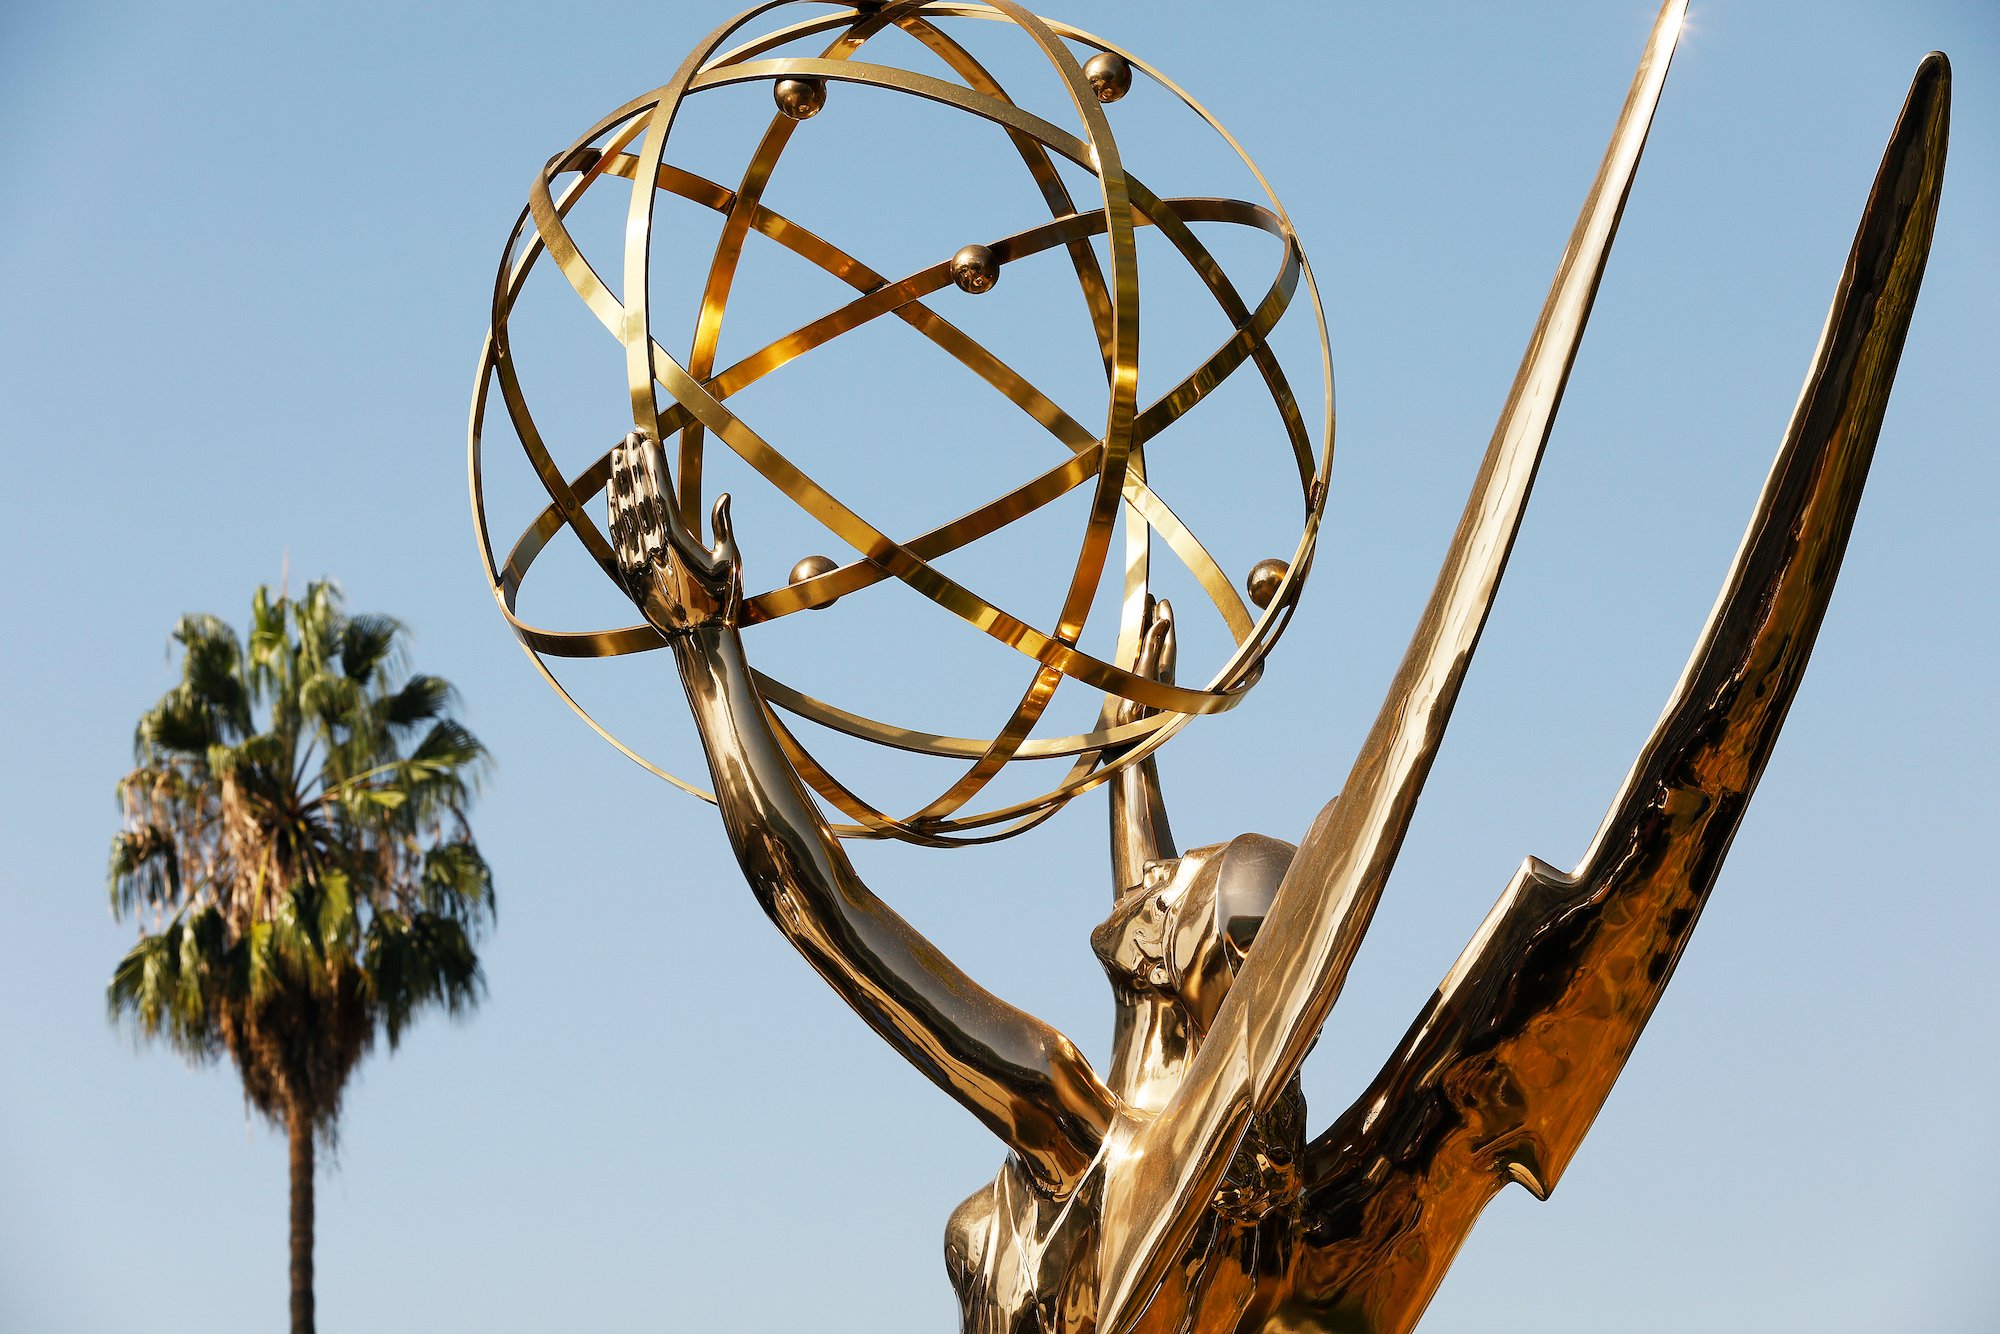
(1023, 1079)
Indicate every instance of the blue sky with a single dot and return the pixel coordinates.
(250, 250)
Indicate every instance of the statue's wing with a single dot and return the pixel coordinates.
(1161, 1172)
(1504, 1071)
(1507, 1066)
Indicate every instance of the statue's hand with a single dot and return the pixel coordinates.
(679, 585)
(1156, 658)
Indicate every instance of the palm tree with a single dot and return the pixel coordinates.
(297, 851)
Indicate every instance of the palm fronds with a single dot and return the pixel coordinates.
(297, 851)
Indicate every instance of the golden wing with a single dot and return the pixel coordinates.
(1507, 1066)
(1567, 968)
(1160, 1173)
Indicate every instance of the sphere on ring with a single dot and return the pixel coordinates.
(814, 567)
(693, 401)
(801, 99)
(975, 268)
(1264, 580)
(1110, 75)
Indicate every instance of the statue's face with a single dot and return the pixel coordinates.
(1183, 932)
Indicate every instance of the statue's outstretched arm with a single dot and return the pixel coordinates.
(1023, 1079)
(1507, 1066)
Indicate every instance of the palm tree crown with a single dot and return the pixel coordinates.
(297, 849)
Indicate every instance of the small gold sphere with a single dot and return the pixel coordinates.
(975, 269)
(1110, 76)
(801, 99)
(1265, 576)
(812, 567)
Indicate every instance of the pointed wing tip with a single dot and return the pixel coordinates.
(1671, 24)
(1932, 81)
(1930, 87)
(1929, 100)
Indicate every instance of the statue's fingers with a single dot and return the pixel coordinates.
(652, 485)
(723, 555)
(663, 511)
(617, 494)
(639, 541)
(1156, 648)
(1148, 662)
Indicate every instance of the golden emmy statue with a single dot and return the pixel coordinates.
(1179, 1189)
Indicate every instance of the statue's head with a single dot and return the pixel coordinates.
(1183, 932)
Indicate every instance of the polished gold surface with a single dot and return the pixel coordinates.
(1110, 75)
(1266, 577)
(1503, 1072)
(813, 567)
(1024, 1080)
(1166, 1168)
(801, 99)
(1179, 1191)
(975, 268)
(631, 144)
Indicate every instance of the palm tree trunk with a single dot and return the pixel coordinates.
(298, 1128)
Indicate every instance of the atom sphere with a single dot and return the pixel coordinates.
(812, 567)
(1110, 76)
(801, 98)
(975, 269)
(1265, 576)
(1116, 454)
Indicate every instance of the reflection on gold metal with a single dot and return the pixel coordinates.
(975, 269)
(801, 99)
(1109, 460)
(812, 567)
(1266, 577)
(1179, 1191)
(1110, 75)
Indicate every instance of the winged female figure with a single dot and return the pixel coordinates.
(1178, 1189)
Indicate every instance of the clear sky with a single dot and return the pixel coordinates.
(248, 254)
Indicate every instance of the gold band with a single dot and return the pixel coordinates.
(1113, 462)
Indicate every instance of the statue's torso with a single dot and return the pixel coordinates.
(1025, 1263)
